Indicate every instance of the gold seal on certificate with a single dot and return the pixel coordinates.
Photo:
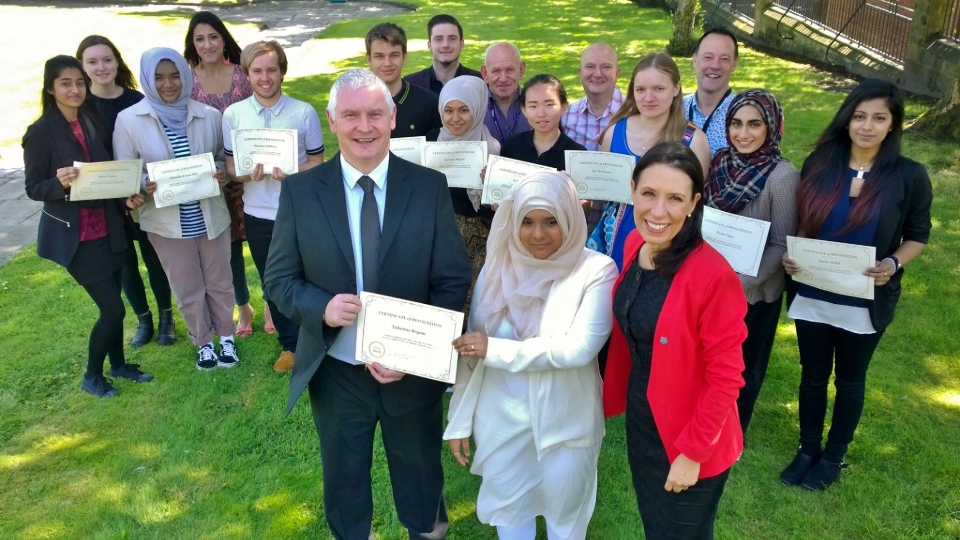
(460, 161)
(407, 336)
(833, 266)
(409, 148)
(183, 180)
(268, 147)
(503, 173)
(106, 180)
(600, 176)
(739, 239)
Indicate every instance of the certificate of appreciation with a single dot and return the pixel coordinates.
(409, 337)
(183, 180)
(601, 176)
(409, 148)
(739, 239)
(833, 266)
(461, 161)
(106, 180)
(268, 147)
(503, 173)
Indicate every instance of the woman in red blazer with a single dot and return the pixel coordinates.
(675, 359)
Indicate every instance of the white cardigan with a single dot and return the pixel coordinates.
(139, 135)
(565, 406)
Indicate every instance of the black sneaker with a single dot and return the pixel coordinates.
(228, 355)
(99, 386)
(206, 357)
(132, 372)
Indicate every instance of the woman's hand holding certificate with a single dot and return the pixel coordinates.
(832, 266)
(183, 180)
(106, 180)
(407, 336)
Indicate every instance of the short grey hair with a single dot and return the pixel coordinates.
(516, 51)
(355, 79)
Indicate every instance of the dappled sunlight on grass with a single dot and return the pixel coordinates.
(43, 531)
(948, 398)
(48, 446)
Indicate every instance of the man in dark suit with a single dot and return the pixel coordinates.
(322, 255)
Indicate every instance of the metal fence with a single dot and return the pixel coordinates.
(744, 8)
(951, 23)
(880, 25)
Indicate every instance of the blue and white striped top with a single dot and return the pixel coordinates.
(191, 216)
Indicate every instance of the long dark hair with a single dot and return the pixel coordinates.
(824, 174)
(681, 158)
(231, 51)
(52, 69)
(124, 76)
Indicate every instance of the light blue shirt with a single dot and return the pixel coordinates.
(716, 132)
(345, 346)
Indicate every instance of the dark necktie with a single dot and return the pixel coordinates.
(369, 235)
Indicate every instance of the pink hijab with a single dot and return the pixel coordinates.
(516, 283)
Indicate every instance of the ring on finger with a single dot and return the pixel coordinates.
(473, 347)
(456, 453)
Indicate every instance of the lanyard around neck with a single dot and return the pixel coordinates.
(706, 123)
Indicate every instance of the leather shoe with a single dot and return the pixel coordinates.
(800, 466)
(822, 475)
(284, 364)
(144, 331)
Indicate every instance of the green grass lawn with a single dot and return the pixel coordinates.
(209, 454)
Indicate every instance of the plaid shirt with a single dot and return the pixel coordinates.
(581, 125)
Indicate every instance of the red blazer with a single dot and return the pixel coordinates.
(697, 368)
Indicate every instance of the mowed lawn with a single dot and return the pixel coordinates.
(210, 455)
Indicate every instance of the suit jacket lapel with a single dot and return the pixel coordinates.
(334, 202)
(398, 195)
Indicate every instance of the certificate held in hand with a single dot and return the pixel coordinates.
(268, 147)
(601, 176)
(460, 161)
(833, 266)
(183, 180)
(741, 240)
(407, 336)
(106, 180)
(409, 148)
(503, 173)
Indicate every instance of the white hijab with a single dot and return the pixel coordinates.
(515, 282)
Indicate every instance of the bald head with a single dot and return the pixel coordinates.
(599, 70)
(502, 70)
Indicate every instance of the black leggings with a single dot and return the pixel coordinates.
(822, 346)
(133, 287)
(106, 338)
(761, 320)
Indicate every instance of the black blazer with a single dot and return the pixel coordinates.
(422, 258)
(48, 145)
(904, 215)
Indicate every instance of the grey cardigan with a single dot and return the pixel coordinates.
(777, 203)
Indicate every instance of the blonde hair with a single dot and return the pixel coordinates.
(260, 48)
(676, 122)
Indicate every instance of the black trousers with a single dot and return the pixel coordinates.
(238, 269)
(259, 234)
(347, 407)
(133, 287)
(106, 337)
(821, 348)
(761, 321)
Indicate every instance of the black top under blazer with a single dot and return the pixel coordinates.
(423, 258)
(904, 215)
(48, 145)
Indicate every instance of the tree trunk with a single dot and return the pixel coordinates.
(943, 121)
(683, 40)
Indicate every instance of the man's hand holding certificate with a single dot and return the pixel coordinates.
(106, 180)
(267, 147)
(183, 180)
(600, 176)
(833, 266)
(503, 173)
(460, 161)
(409, 337)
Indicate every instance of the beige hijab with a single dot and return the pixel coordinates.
(515, 282)
(473, 92)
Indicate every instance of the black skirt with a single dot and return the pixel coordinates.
(94, 261)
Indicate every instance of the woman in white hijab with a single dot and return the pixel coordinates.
(192, 239)
(463, 104)
(528, 387)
